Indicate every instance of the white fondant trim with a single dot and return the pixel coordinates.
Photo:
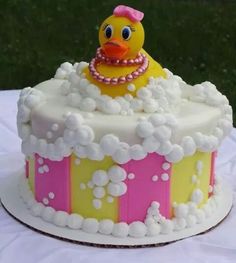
(186, 216)
(156, 132)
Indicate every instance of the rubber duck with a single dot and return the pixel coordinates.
(121, 66)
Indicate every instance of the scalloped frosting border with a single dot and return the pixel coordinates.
(185, 216)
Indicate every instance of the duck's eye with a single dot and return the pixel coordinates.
(108, 31)
(126, 33)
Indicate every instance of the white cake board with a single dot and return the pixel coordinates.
(15, 206)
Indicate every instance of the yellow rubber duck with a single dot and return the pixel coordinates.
(121, 61)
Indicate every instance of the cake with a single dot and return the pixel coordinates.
(121, 146)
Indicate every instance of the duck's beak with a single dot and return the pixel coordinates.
(115, 48)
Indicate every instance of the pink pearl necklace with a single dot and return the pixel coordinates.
(141, 60)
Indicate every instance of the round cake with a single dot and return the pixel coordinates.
(121, 146)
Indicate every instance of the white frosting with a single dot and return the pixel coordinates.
(74, 221)
(185, 215)
(90, 225)
(137, 229)
(158, 95)
(173, 135)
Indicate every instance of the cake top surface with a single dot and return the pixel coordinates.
(122, 104)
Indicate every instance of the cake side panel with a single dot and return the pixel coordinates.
(191, 178)
(52, 183)
(87, 198)
(147, 181)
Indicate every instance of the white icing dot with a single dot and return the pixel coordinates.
(131, 176)
(45, 168)
(117, 189)
(45, 201)
(90, 184)
(116, 174)
(110, 199)
(90, 225)
(37, 209)
(199, 167)
(179, 223)
(51, 195)
(77, 161)
(109, 144)
(137, 229)
(100, 178)
(194, 179)
(40, 160)
(60, 218)
(131, 87)
(162, 133)
(49, 135)
(180, 210)
(153, 229)
(97, 203)
(55, 127)
(99, 192)
(165, 177)
(73, 121)
(155, 178)
(74, 221)
(120, 229)
(41, 170)
(167, 226)
(144, 129)
(82, 186)
(197, 196)
(166, 166)
(48, 213)
(106, 226)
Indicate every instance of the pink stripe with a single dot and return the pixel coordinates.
(142, 190)
(56, 181)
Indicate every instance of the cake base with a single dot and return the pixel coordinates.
(15, 206)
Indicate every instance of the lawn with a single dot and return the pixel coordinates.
(194, 39)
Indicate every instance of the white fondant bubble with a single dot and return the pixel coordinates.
(137, 229)
(116, 174)
(90, 225)
(74, 221)
(106, 226)
(100, 178)
(60, 218)
(120, 229)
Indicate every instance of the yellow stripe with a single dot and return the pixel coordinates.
(82, 200)
(181, 180)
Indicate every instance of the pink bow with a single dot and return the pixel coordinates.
(129, 12)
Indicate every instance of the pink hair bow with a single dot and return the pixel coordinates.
(129, 12)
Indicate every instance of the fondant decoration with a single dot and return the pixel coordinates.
(173, 150)
(142, 190)
(92, 201)
(121, 38)
(185, 215)
(101, 58)
(181, 178)
(52, 187)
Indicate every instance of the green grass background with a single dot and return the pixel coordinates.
(194, 39)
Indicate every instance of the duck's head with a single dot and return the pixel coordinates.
(121, 35)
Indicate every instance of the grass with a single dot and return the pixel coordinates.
(194, 39)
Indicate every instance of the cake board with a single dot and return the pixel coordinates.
(15, 207)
